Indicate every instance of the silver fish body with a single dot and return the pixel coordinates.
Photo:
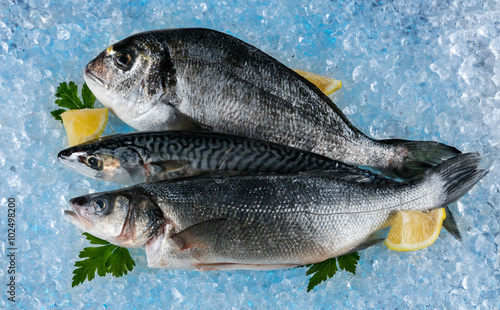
(199, 78)
(262, 221)
(152, 156)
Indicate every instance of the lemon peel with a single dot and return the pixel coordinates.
(415, 230)
(325, 84)
(84, 125)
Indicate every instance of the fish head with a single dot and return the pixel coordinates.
(127, 220)
(130, 77)
(119, 164)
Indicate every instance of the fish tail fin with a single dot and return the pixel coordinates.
(459, 175)
(418, 156)
(456, 176)
(451, 180)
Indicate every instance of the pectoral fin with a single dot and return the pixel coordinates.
(164, 170)
(168, 165)
(199, 235)
(181, 121)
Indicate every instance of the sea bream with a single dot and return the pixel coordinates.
(262, 221)
(195, 79)
(152, 156)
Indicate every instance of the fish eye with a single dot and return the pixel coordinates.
(99, 205)
(93, 162)
(123, 60)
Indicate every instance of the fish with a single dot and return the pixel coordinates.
(262, 222)
(201, 79)
(139, 157)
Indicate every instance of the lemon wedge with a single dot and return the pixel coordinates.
(325, 84)
(84, 125)
(415, 230)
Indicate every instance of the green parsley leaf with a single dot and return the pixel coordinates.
(94, 240)
(57, 114)
(67, 97)
(104, 259)
(88, 97)
(321, 272)
(325, 270)
(123, 262)
(348, 262)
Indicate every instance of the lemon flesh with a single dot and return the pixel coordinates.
(415, 230)
(84, 125)
(326, 85)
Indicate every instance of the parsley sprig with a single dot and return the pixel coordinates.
(325, 270)
(104, 259)
(68, 98)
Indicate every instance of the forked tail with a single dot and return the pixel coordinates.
(459, 175)
(456, 176)
(418, 156)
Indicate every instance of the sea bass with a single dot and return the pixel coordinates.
(191, 79)
(152, 156)
(262, 221)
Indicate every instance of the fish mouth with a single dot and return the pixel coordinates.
(64, 155)
(70, 155)
(93, 77)
(69, 158)
(76, 217)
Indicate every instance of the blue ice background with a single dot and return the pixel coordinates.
(422, 70)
